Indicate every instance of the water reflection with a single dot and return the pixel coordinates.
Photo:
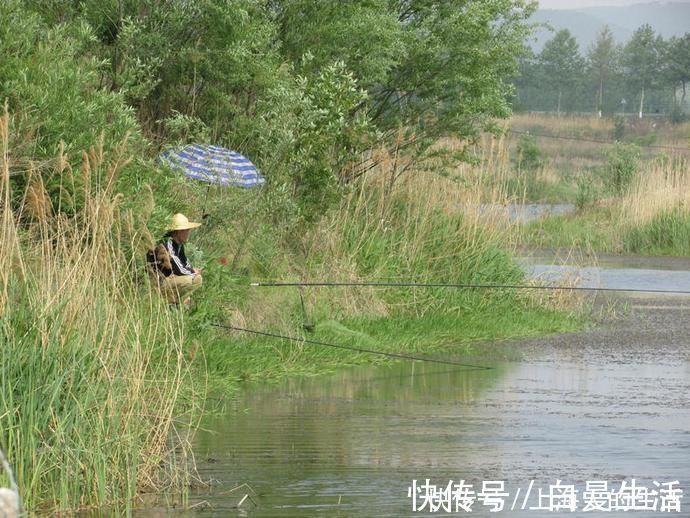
(351, 444)
(611, 404)
(617, 272)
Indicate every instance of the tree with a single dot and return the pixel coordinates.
(366, 36)
(603, 60)
(305, 86)
(455, 78)
(429, 68)
(641, 60)
(677, 64)
(561, 63)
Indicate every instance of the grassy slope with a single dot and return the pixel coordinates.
(649, 217)
(416, 234)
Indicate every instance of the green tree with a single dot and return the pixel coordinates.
(455, 78)
(429, 68)
(641, 61)
(51, 74)
(602, 60)
(561, 64)
(304, 86)
(366, 36)
(677, 65)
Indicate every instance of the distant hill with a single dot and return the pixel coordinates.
(666, 18)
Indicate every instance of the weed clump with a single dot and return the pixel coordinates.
(621, 166)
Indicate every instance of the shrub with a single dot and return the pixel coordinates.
(586, 191)
(618, 128)
(529, 156)
(621, 167)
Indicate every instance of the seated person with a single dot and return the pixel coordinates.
(176, 277)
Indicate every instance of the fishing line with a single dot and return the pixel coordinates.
(317, 284)
(355, 349)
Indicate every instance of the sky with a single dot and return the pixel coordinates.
(574, 4)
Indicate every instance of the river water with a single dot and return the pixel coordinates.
(607, 406)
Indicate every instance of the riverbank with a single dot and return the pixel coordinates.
(420, 231)
(115, 380)
(628, 181)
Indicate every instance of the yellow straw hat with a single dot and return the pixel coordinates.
(180, 222)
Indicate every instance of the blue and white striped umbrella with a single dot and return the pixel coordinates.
(213, 164)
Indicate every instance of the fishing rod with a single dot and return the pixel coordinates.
(329, 284)
(399, 356)
(277, 284)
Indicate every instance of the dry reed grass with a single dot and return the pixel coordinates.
(563, 125)
(659, 187)
(472, 194)
(68, 296)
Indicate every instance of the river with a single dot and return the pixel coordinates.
(601, 415)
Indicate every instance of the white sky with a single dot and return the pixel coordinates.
(574, 4)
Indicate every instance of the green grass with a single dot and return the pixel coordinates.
(600, 229)
(458, 332)
(589, 229)
(535, 190)
(668, 233)
(93, 376)
(411, 235)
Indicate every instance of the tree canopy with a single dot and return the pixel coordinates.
(645, 70)
(303, 87)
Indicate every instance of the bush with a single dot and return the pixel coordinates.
(618, 128)
(586, 191)
(529, 156)
(621, 167)
(678, 116)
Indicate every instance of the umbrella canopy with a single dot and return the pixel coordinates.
(213, 164)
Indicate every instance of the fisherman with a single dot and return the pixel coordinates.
(175, 275)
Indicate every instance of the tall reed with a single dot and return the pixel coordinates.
(662, 185)
(92, 367)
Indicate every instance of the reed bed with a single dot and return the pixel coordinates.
(663, 185)
(93, 372)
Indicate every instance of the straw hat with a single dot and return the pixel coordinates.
(180, 222)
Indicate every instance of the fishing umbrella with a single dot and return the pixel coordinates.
(213, 164)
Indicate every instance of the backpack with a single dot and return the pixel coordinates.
(158, 263)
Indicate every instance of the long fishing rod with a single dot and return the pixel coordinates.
(328, 284)
(399, 356)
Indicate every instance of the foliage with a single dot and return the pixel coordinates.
(621, 166)
(644, 71)
(618, 128)
(304, 88)
(51, 75)
(602, 60)
(676, 63)
(528, 155)
(641, 56)
(561, 63)
(668, 232)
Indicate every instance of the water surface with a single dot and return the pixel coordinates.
(611, 404)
